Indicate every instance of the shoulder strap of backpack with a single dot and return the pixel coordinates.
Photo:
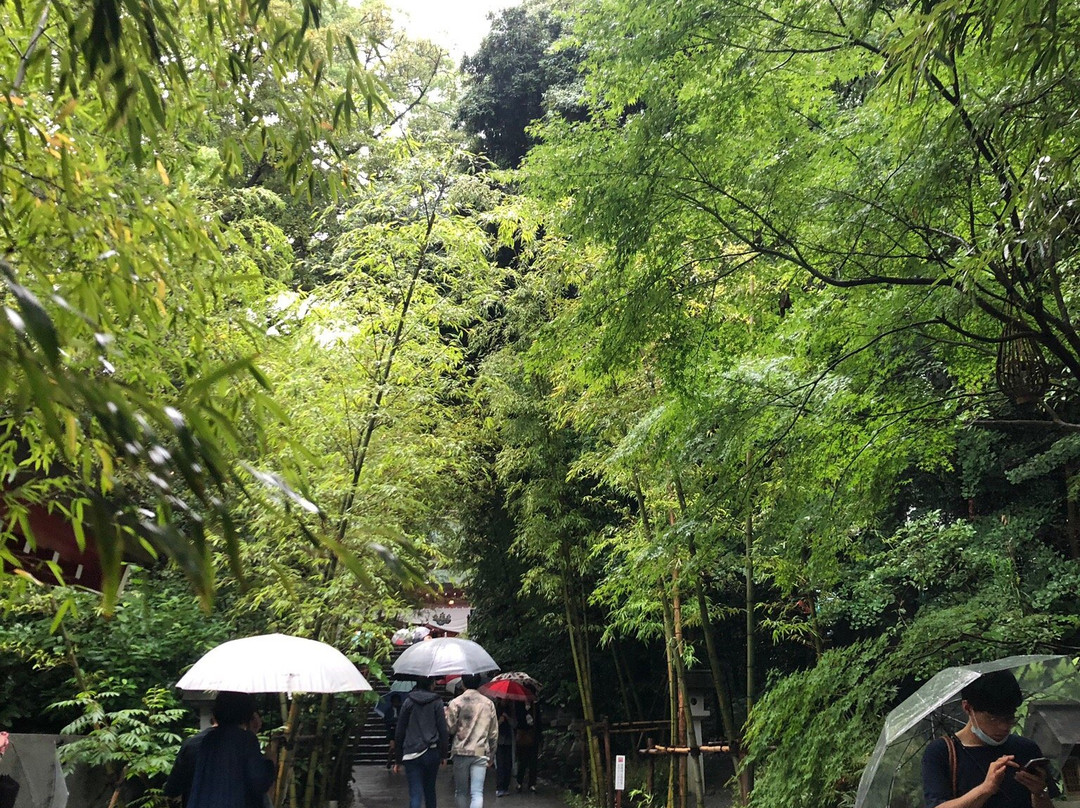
(950, 745)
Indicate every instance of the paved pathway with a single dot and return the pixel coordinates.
(375, 787)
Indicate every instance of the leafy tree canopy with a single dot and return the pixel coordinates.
(520, 71)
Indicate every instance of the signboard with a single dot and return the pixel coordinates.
(620, 772)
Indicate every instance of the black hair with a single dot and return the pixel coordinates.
(996, 692)
(470, 681)
(233, 708)
(424, 683)
(395, 697)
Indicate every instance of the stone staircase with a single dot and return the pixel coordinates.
(368, 746)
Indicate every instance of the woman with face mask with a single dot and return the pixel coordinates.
(984, 765)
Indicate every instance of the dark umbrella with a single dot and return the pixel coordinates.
(517, 676)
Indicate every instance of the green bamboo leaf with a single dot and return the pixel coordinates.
(204, 383)
(33, 320)
(65, 605)
(153, 98)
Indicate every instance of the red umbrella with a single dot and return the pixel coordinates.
(517, 676)
(508, 689)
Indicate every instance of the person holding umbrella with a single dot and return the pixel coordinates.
(984, 765)
(475, 732)
(390, 721)
(527, 742)
(421, 741)
(504, 754)
(222, 767)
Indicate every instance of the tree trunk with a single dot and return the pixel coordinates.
(674, 779)
(720, 687)
(684, 694)
(381, 377)
(751, 623)
(639, 712)
(669, 649)
(819, 642)
(1072, 522)
(623, 689)
(582, 669)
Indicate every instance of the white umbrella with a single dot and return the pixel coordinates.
(445, 656)
(274, 663)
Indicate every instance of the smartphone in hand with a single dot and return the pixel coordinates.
(1035, 764)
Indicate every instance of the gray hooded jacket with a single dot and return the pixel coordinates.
(421, 724)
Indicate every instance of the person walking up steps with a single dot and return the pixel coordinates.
(222, 767)
(527, 742)
(474, 728)
(421, 741)
(504, 756)
(393, 708)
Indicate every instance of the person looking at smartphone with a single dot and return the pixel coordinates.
(989, 769)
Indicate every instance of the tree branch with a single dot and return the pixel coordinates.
(28, 54)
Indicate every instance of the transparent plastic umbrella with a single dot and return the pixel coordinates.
(446, 656)
(409, 635)
(893, 778)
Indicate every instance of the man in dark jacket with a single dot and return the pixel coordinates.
(422, 741)
(222, 767)
(988, 765)
(527, 741)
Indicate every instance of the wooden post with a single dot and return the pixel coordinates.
(287, 754)
(609, 764)
(650, 777)
(583, 738)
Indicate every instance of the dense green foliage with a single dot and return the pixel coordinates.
(766, 369)
(805, 249)
(515, 75)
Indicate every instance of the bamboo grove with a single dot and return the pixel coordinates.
(708, 342)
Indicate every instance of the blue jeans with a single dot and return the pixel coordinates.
(420, 774)
(469, 774)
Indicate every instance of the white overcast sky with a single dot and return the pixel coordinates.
(457, 25)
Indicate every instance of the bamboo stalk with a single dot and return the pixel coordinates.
(746, 777)
(286, 757)
(316, 750)
(684, 693)
(675, 777)
(723, 695)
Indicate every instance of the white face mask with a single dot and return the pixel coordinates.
(982, 736)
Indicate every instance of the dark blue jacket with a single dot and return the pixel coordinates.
(221, 767)
(972, 763)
